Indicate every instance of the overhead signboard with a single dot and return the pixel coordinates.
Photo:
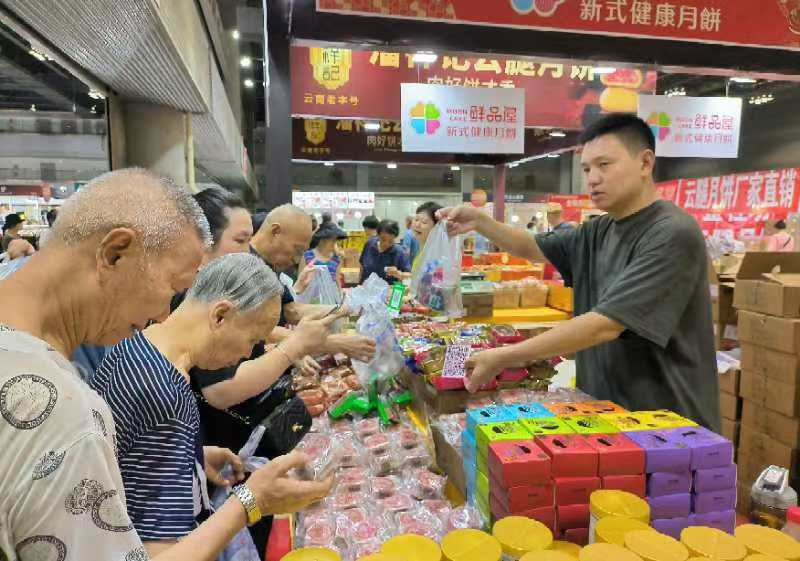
(343, 83)
(460, 120)
(760, 23)
(334, 200)
(693, 127)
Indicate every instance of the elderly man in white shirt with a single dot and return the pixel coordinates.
(119, 251)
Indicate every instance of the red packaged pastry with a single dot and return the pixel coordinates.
(377, 444)
(385, 486)
(396, 503)
(312, 397)
(385, 464)
(319, 534)
(347, 449)
(345, 500)
(438, 507)
(419, 522)
(365, 532)
(312, 517)
(315, 410)
(341, 425)
(416, 457)
(408, 438)
(426, 485)
(367, 427)
(352, 479)
(463, 518)
(366, 548)
(352, 382)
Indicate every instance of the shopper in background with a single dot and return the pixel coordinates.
(424, 221)
(323, 252)
(62, 491)
(52, 214)
(779, 239)
(370, 225)
(382, 256)
(12, 228)
(19, 252)
(642, 328)
(233, 303)
(409, 241)
(314, 223)
(554, 220)
(228, 219)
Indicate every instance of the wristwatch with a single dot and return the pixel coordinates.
(248, 500)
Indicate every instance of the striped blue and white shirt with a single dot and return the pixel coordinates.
(158, 438)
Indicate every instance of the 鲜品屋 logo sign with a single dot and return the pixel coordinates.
(543, 8)
(425, 118)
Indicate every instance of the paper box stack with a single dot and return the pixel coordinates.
(767, 296)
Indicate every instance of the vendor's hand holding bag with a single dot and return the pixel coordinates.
(436, 280)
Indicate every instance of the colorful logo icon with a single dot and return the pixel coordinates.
(425, 118)
(543, 8)
(660, 124)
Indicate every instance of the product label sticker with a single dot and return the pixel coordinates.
(455, 360)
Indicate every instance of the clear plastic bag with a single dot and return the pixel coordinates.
(436, 281)
(322, 289)
(373, 291)
(376, 323)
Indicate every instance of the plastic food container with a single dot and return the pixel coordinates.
(760, 557)
(569, 548)
(652, 546)
(613, 529)
(519, 535)
(410, 547)
(312, 554)
(760, 539)
(710, 542)
(548, 555)
(607, 552)
(605, 503)
(471, 545)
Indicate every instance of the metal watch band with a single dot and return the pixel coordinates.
(248, 500)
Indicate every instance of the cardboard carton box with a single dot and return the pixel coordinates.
(506, 297)
(730, 406)
(729, 381)
(560, 298)
(758, 451)
(722, 308)
(785, 430)
(778, 334)
(730, 430)
(780, 397)
(769, 283)
(533, 295)
(449, 460)
(774, 365)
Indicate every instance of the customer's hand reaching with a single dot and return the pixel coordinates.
(278, 493)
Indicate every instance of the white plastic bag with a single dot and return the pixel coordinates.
(373, 291)
(436, 281)
(322, 289)
(376, 322)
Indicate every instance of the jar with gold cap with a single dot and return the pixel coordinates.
(652, 546)
(711, 542)
(519, 535)
(760, 539)
(312, 554)
(566, 547)
(470, 545)
(606, 502)
(411, 547)
(613, 529)
(607, 552)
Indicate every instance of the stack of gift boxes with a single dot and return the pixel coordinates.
(545, 461)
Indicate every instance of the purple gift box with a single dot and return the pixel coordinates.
(715, 501)
(660, 484)
(725, 521)
(671, 527)
(715, 479)
(709, 450)
(670, 506)
(663, 452)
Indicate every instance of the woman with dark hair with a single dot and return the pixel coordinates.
(230, 222)
(323, 250)
(780, 239)
(424, 222)
(382, 256)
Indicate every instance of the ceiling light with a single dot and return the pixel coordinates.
(235, 34)
(357, 214)
(600, 70)
(372, 127)
(391, 165)
(328, 164)
(675, 92)
(424, 57)
(743, 80)
(33, 107)
(554, 155)
(455, 168)
(515, 219)
(513, 164)
(94, 94)
(38, 55)
(557, 134)
(248, 83)
(246, 62)
(762, 99)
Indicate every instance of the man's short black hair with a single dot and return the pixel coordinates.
(430, 208)
(632, 131)
(370, 222)
(216, 202)
(389, 227)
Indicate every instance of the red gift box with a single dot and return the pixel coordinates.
(572, 516)
(505, 334)
(513, 374)
(522, 498)
(617, 455)
(635, 484)
(579, 536)
(442, 383)
(571, 455)
(518, 463)
(575, 490)
(546, 515)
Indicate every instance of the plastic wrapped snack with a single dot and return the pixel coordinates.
(385, 464)
(352, 382)
(341, 426)
(367, 427)
(385, 486)
(424, 484)
(311, 517)
(319, 534)
(440, 507)
(418, 457)
(348, 450)
(463, 518)
(312, 397)
(377, 444)
(419, 521)
(408, 438)
(479, 402)
(345, 499)
(352, 479)
(347, 519)
(397, 503)
(333, 388)
(321, 465)
(370, 547)
(320, 425)
(341, 372)
(517, 396)
(315, 446)
(315, 410)
(302, 382)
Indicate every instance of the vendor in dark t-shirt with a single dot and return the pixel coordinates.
(642, 328)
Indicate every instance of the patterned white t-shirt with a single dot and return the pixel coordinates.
(61, 493)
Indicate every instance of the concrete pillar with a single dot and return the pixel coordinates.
(277, 189)
(159, 138)
(499, 192)
(577, 174)
(362, 177)
(565, 173)
(467, 180)
(116, 132)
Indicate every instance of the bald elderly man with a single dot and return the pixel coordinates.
(121, 248)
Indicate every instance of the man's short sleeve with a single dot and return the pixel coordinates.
(203, 378)
(650, 296)
(74, 507)
(559, 249)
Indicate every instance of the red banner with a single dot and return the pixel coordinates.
(738, 204)
(341, 83)
(761, 23)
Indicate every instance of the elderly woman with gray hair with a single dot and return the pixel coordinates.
(234, 303)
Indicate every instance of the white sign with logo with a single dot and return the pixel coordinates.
(693, 127)
(452, 119)
(334, 200)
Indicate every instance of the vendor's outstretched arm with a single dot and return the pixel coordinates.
(466, 218)
(579, 333)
